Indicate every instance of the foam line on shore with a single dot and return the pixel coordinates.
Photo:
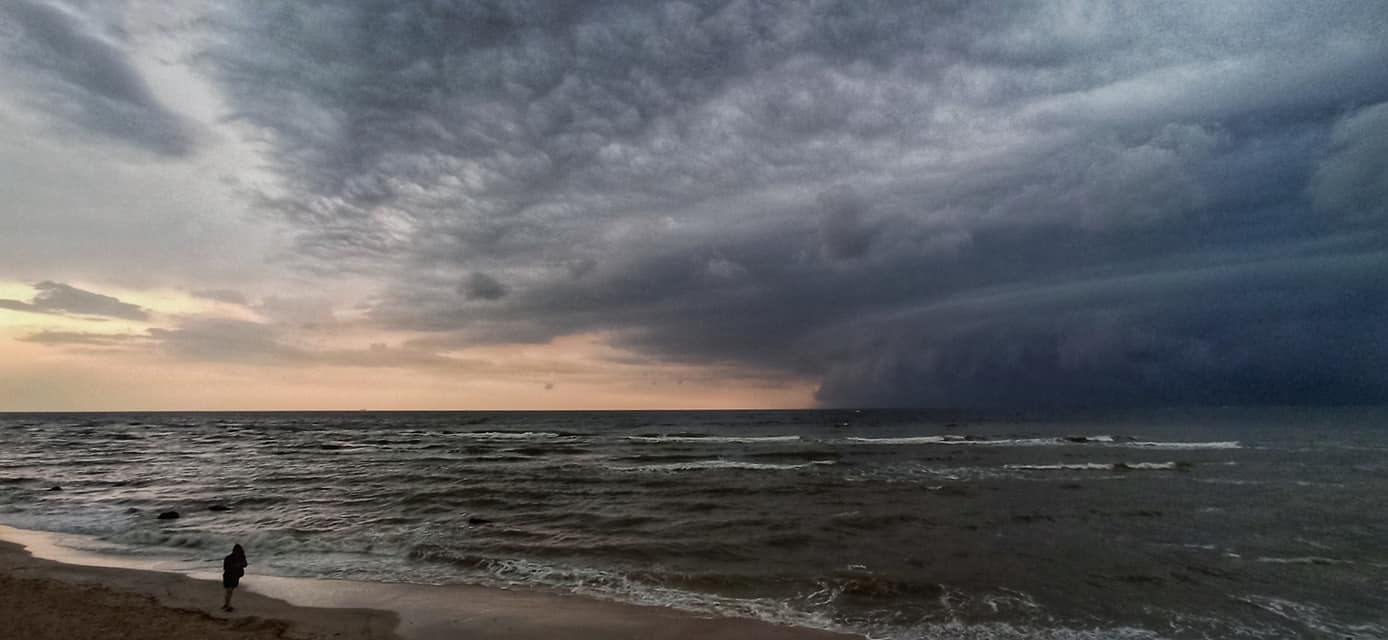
(425, 612)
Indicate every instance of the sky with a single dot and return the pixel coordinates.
(520, 204)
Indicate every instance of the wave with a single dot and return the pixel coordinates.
(969, 441)
(1314, 617)
(1102, 440)
(1303, 560)
(911, 440)
(692, 594)
(618, 586)
(703, 465)
(654, 458)
(714, 439)
(801, 454)
(1184, 445)
(280, 542)
(510, 435)
(1102, 466)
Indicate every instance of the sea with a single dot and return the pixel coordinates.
(896, 524)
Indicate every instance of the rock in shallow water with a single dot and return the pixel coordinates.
(168, 515)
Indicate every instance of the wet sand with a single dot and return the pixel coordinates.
(76, 598)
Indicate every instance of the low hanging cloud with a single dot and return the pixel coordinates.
(912, 203)
(59, 298)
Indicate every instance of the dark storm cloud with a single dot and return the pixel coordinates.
(59, 298)
(843, 233)
(972, 203)
(80, 76)
(480, 286)
(1353, 179)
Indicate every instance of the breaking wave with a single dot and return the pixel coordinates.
(1102, 466)
(704, 465)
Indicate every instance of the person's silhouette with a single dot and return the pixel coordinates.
(233, 567)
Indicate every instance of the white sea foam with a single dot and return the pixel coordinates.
(509, 435)
(700, 465)
(1183, 445)
(915, 440)
(1302, 560)
(616, 586)
(956, 630)
(1313, 617)
(1150, 466)
(1082, 466)
(1097, 466)
(956, 440)
(619, 587)
(715, 439)
(1068, 441)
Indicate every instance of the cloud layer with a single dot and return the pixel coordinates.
(59, 298)
(979, 204)
(83, 78)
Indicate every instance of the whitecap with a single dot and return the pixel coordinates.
(701, 465)
(1097, 466)
(715, 439)
(509, 435)
(1302, 560)
(1082, 466)
(957, 440)
(1183, 445)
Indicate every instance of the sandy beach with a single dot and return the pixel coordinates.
(48, 599)
(45, 598)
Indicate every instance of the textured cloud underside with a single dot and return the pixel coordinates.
(913, 203)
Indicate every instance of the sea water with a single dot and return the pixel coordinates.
(899, 524)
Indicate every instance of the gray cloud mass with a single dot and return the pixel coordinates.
(1004, 204)
(988, 204)
(82, 77)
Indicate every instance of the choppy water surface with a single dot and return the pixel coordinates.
(896, 523)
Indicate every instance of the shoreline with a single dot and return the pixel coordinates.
(83, 593)
(54, 599)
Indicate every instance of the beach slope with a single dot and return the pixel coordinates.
(44, 599)
(47, 598)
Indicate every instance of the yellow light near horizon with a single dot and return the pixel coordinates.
(585, 371)
(155, 301)
(16, 290)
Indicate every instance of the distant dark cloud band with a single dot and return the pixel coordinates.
(972, 204)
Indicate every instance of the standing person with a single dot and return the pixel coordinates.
(233, 567)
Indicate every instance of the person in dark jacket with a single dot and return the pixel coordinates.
(233, 567)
